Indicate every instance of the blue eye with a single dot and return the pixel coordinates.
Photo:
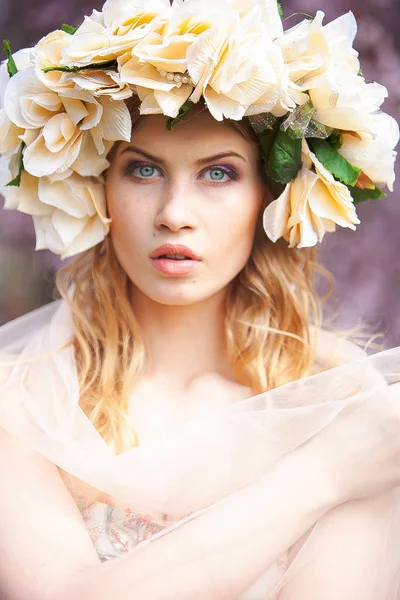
(220, 175)
(144, 171)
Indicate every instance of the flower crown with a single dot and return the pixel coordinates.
(326, 144)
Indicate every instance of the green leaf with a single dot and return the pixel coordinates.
(69, 29)
(110, 64)
(284, 160)
(363, 195)
(280, 9)
(16, 182)
(11, 66)
(62, 69)
(335, 139)
(334, 162)
(267, 139)
(171, 122)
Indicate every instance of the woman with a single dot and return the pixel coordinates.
(164, 432)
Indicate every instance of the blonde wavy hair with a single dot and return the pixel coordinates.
(271, 309)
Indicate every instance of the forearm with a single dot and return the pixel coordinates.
(223, 551)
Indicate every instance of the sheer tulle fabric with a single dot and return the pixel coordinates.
(183, 474)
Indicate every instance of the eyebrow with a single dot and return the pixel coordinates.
(201, 161)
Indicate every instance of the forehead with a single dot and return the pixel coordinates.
(198, 132)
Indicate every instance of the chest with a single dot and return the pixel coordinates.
(154, 413)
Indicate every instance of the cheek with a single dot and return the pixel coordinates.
(128, 216)
(236, 234)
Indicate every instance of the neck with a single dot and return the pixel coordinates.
(184, 343)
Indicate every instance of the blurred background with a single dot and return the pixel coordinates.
(365, 264)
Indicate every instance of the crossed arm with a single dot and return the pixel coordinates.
(46, 552)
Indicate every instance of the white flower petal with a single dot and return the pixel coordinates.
(171, 102)
(309, 206)
(67, 227)
(221, 106)
(23, 60)
(374, 154)
(304, 234)
(76, 218)
(276, 215)
(203, 56)
(60, 195)
(168, 53)
(39, 161)
(341, 33)
(89, 162)
(92, 234)
(93, 48)
(149, 104)
(348, 119)
(117, 11)
(46, 236)
(29, 202)
(116, 122)
(92, 24)
(294, 42)
(47, 54)
(146, 76)
(58, 132)
(22, 84)
(333, 204)
(76, 110)
(9, 135)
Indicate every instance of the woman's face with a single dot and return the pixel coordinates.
(199, 186)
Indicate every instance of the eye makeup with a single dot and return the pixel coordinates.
(225, 170)
(132, 166)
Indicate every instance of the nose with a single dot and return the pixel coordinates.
(176, 208)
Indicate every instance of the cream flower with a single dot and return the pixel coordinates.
(99, 83)
(9, 132)
(312, 204)
(322, 61)
(9, 135)
(311, 48)
(161, 94)
(238, 69)
(158, 64)
(69, 131)
(267, 10)
(343, 100)
(224, 51)
(374, 153)
(246, 80)
(23, 60)
(69, 215)
(48, 54)
(115, 31)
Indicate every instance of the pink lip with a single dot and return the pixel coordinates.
(174, 249)
(170, 266)
(175, 267)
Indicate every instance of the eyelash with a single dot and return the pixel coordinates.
(229, 171)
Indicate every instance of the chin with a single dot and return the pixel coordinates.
(175, 292)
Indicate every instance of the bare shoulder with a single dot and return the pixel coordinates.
(43, 539)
